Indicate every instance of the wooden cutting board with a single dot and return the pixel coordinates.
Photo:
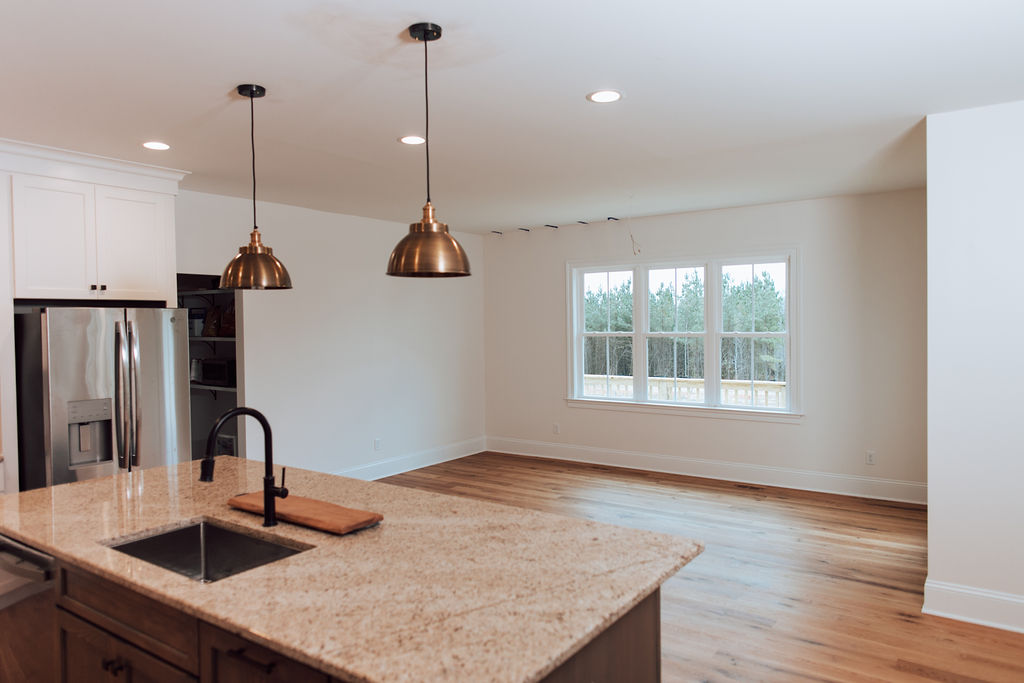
(309, 512)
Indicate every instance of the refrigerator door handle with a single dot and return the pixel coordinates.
(133, 340)
(120, 393)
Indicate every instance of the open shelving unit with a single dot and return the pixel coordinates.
(211, 349)
(212, 387)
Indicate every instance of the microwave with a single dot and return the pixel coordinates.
(219, 372)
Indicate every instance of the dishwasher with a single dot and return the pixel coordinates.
(28, 616)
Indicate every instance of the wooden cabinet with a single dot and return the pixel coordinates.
(75, 240)
(91, 655)
(164, 631)
(111, 633)
(226, 658)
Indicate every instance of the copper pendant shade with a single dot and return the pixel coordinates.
(254, 266)
(428, 250)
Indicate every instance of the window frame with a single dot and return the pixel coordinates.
(712, 335)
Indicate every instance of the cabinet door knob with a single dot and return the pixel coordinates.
(92, 287)
(103, 288)
(114, 666)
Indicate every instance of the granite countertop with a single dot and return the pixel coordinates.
(445, 588)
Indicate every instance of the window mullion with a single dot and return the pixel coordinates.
(675, 340)
(641, 318)
(581, 327)
(607, 368)
(713, 327)
(790, 336)
(578, 336)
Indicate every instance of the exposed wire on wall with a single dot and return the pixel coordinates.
(629, 226)
(556, 227)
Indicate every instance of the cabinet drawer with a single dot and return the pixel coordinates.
(90, 654)
(166, 632)
(227, 658)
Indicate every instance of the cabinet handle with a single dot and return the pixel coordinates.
(103, 288)
(92, 288)
(240, 655)
(113, 666)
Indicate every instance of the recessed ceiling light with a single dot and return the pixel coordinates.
(412, 140)
(602, 96)
(155, 144)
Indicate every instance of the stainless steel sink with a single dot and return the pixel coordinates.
(207, 552)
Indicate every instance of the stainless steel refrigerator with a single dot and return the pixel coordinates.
(100, 390)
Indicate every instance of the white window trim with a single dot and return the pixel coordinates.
(575, 271)
(690, 409)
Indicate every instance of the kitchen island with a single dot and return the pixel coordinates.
(445, 588)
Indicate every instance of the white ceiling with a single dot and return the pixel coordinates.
(726, 102)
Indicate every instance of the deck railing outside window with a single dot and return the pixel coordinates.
(734, 392)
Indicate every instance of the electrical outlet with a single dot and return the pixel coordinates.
(869, 457)
(556, 429)
(376, 444)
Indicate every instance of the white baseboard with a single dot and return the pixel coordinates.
(413, 461)
(807, 480)
(974, 605)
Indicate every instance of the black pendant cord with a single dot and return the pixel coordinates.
(426, 109)
(252, 141)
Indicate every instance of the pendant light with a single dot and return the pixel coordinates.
(254, 266)
(428, 250)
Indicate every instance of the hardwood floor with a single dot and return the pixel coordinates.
(793, 586)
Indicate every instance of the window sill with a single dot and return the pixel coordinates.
(716, 413)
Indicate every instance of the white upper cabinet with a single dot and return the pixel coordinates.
(134, 236)
(54, 238)
(90, 228)
(75, 240)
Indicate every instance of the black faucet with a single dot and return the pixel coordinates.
(270, 491)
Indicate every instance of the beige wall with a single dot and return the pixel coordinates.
(975, 456)
(8, 388)
(349, 355)
(862, 305)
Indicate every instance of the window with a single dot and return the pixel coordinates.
(716, 334)
(676, 336)
(753, 337)
(608, 334)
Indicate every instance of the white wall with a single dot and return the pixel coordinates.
(8, 388)
(349, 354)
(975, 409)
(863, 313)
